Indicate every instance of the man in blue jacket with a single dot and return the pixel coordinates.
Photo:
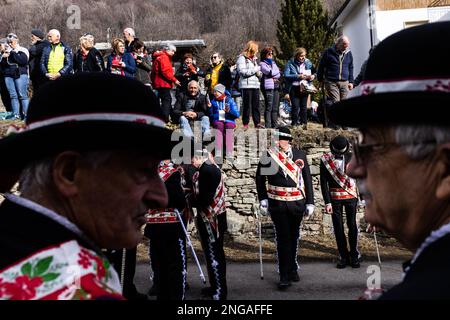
(336, 70)
(56, 59)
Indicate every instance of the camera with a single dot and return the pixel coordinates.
(5, 48)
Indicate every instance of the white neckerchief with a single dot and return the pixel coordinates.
(433, 237)
(51, 215)
(340, 163)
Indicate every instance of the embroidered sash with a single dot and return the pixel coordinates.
(341, 178)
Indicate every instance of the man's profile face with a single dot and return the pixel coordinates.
(127, 36)
(193, 89)
(114, 198)
(344, 44)
(394, 187)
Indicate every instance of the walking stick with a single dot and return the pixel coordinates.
(122, 267)
(376, 245)
(260, 242)
(202, 276)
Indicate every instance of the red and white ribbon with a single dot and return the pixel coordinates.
(400, 85)
(125, 117)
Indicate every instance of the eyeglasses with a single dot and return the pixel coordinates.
(362, 152)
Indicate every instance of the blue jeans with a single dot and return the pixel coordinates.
(18, 90)
(186, 127)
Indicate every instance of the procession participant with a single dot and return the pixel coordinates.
(167, 239)
(338, 192)
(288, 197)
(88, 175)
(402, 159)
(209, 194)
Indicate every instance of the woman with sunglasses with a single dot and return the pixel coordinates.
(217, 72)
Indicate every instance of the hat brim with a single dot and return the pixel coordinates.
(19, 149)
(392, 109)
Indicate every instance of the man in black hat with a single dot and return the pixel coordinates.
(402, 159)
(167, 238)
(88, 174)
(288, 197)
(38, 42)
(211, 219)
(339, 191)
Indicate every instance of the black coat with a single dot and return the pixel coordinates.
(200, 106)
(208, 181)
(93, 63)
(24, 232)
(279, 179)
(175, 194)
(35, 59)
(327, 181)
(428, 277)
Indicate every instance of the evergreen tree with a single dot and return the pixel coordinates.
(304, 23)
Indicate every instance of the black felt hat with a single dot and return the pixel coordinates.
(407, 81)
(339, 145)
(284, 133)
(84, 112)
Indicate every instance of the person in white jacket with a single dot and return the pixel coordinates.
(249, 83)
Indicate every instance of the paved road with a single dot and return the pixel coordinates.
(318, 281)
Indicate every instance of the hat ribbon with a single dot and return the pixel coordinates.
(125, 117)
(401, 85)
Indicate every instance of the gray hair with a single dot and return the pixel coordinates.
(55, 32)
(37, 176)
(420, 141)
(130, 31)
(169, 47)
(193, 82)
(341, 39)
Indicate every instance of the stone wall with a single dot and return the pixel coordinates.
(241, 196)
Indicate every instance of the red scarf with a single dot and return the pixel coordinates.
(222, 97)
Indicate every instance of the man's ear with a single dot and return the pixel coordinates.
(65, 168)
(443, 188)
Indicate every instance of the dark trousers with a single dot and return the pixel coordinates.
(168, 259)
(166, 102)
(287, 233)
(6, 100)
(299, 106)
(338, 225)
(215, 256)
(115, 257)
(272, 107)
(250, 101)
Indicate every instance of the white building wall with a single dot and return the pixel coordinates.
(357, 27)
(389, 22)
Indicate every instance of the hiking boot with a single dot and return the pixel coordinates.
(284, 283)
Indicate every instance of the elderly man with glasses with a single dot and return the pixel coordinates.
(402, 158)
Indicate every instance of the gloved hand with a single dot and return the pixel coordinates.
(328, 208)
(264, 203)
(263, 207)
(309, 211)
(361, 203)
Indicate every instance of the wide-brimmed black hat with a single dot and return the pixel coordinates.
(339, 145)
(88, 112)
(283, 133)
(407, 81)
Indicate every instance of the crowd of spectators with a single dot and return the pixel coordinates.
(215, 96)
